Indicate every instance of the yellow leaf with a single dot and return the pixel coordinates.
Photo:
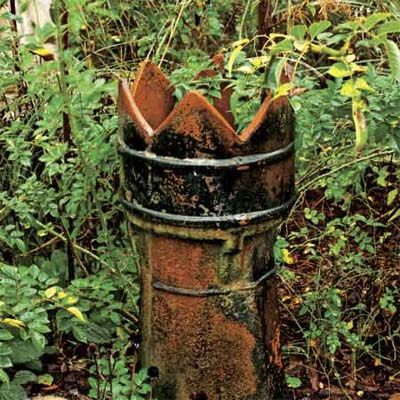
(360, 123)
(297, 300)
(77, 313)
(45, 379)
(362, 84)
(339, 70)
(235, 53)
(395, 216)
(62, 294)
(16, 323)
(246, 69)
(377, 362)
(283, 90)
(120, 333)
(302, 45)
(50, 292)
(287, 257)
(42, 52)
(241, 42)
(72, 300)
(357, 68)
(349, 89)
(350, 58)
(260, 61)
(350, 325)
(392, 196)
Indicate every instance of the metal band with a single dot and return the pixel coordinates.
(234, 162)
(235, 219)
(212, 292)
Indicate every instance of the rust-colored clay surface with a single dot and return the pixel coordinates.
(196, 126)
(202, 351)
(207, 129)
(203, 201)
(181, 263)
(130, 115)
(153, 93)
(212, 346)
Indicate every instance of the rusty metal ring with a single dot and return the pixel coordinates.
(235, 219)
(233, 162)
(213, 291)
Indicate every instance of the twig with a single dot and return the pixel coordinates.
(77, 247)
(42, 246)
(303, 189)
(344, 166)
(174, 26)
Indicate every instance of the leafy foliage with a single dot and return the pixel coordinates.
(68, 274)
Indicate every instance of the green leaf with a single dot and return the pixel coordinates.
(318, 27)
(12, 392)
(45, 379)
(98, 334)
(5, 335)
(393, 53)
(283, 46)
(392, 196)
(24, 377)
(38, 340)
(299, 31)
(5, 362)
(312, 9)
(80, 333)
(4, 377)
(5, 349)
(374, 19)
(340, 70)
(293, 382)
(275, 73)
(389, 27)
(20, 244)
(351, 25)
(24, 351)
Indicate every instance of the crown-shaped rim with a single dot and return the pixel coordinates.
(149, 103)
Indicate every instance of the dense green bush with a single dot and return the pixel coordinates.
(67, 271)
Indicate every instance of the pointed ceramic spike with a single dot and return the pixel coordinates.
(153, 94)
(194, 129)
(222, 104)
(271, 128)
(136, 131)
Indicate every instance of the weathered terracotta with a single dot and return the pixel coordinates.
(222, 103)
(203, 203)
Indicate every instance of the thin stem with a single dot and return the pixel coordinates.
(175, 23)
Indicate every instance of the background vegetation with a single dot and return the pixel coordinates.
(68, 284)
